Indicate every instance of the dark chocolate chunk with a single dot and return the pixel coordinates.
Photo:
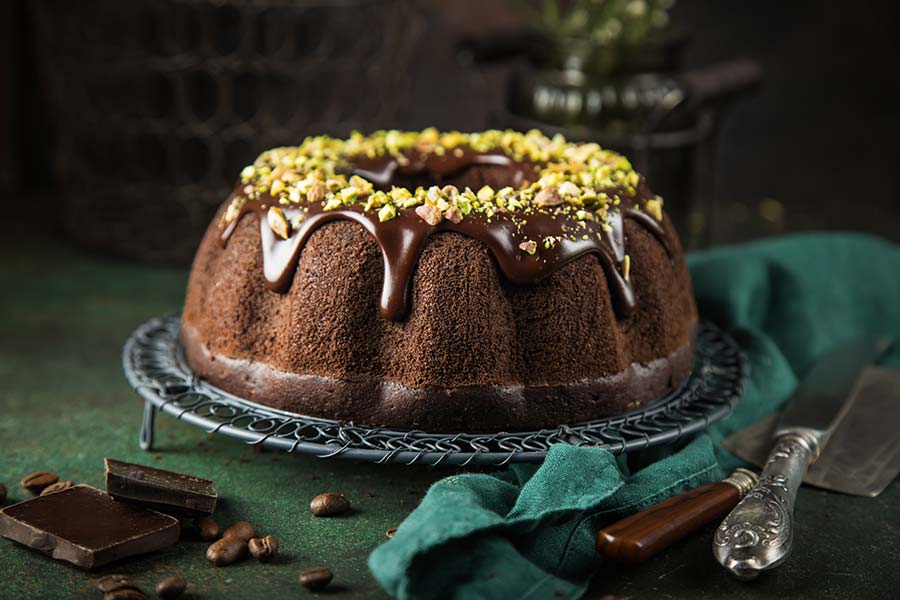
(169, 492)
(87, 527)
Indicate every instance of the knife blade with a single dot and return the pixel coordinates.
(863, 453)
(758, 534)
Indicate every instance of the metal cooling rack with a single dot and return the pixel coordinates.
(155, 368)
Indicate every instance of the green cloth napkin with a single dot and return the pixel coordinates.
(528, 532)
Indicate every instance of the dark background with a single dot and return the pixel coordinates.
(815, 148)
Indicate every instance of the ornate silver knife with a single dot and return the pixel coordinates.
(758, 533)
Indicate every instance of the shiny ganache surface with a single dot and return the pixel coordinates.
(528, 245)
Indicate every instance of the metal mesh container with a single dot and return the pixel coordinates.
(157, 104)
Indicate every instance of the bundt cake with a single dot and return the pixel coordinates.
(442, 281)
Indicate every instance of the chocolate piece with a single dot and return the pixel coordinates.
(169, 492)
(87, 527)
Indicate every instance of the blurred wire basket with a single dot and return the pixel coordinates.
(157, 104)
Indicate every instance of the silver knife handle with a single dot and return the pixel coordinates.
(758, 532)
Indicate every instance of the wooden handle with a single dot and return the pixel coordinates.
(638, 537)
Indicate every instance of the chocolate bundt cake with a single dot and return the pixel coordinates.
(442, 281)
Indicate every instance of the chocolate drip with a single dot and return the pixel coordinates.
(382, 170)
(402, 238)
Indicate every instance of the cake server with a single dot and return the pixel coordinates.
(758, 534)
(863, 455)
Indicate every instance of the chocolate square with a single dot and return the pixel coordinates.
(165, 491)
(87, 527)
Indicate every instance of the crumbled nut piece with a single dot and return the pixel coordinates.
(316, 193)
(453, 214)
(626, 266)
(430, 214)
(279, 223)
(529, 246)
(548, 197)
(486, 193)
(567, 188)
(654, 208)
(277, 187)
(387, 212)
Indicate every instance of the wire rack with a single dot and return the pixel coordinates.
(155, 367)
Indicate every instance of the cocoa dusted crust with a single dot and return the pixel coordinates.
(475, 353)
(438, 409)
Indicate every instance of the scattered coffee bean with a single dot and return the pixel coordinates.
(227, 551)
(2, 493)
(125, 593)
(113, 582)
(241, 529)
(390, 532)
(36, 482)
(329, 505)
(208, 528)
(316, 579)
(171, 587)
(56, 487)
(263, 549)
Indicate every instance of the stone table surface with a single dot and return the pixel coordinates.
(65, 405)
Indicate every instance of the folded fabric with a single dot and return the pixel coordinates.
(528, 532)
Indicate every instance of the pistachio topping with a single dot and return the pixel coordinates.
(653, 208)
(581, 184)
(278, 222)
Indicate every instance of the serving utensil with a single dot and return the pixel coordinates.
(758, 534)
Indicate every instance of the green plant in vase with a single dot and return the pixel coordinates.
(601, 64)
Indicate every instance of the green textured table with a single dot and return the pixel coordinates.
(64, 406)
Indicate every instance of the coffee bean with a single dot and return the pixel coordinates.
(209, 529)
(241, 529)
(390, 532)
(2, 493)
(316, 579)
(263, 549)
(125, 593)
(329, 505)
(37, 481)
(227, 551)
(113, 582)
(171, 587)
(56, 487)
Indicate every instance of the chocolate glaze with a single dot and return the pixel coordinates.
(402, 238)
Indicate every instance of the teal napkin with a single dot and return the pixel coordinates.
(528, 532)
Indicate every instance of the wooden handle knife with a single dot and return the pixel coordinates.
(638, 537)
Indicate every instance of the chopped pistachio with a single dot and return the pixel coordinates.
(387, 212)
(582, 181)
(333, 203)
(234, 209)
(316, 193)
(654, 208)
(626, 266)
(279, 223)
(486, 193)
(567, 188)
